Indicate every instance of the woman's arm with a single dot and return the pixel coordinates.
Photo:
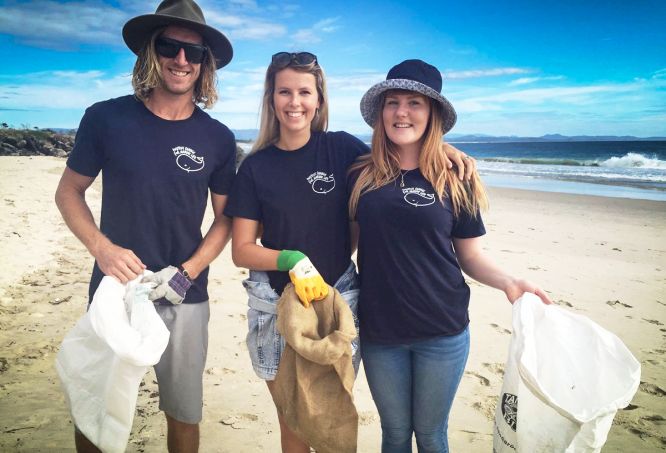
(245, 251)
(481, 268)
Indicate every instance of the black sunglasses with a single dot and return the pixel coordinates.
(283, 59)
(169, 48)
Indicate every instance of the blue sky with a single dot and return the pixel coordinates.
(510, 68)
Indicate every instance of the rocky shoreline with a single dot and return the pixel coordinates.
(45, 142)
(42, 142)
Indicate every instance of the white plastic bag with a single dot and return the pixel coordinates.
(564, 380)
(104, 357)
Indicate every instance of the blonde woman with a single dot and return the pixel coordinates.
(418, 226)
(293, 185)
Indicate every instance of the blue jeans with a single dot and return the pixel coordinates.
(413, 386)
(264, 342)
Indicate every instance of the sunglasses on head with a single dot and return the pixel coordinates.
(169, 48)
(284, 59)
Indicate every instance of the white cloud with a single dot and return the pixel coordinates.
(660, 74)
(493, 72)
(66, 26)
(63, 90)
(528, 80)
(244, 27)
(52, 24)
(313, 34)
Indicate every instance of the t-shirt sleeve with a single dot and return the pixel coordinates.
(243, 199)
(87, 156)
(467, 226)
(222, 178)
(354, 146)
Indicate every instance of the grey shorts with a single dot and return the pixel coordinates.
(180, 369)
(264, 342)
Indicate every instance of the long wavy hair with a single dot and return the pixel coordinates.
(269, 126)
(147, 75)
(382, 166)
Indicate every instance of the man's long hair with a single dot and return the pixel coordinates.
(382, 166)
(147, 75)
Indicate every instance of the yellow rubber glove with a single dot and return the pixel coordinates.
(308, 283)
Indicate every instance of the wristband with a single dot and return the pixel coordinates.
(185, 273)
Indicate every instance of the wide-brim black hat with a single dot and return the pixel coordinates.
(411, 75)
(184, 13)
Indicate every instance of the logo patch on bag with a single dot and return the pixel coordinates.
(510, 409)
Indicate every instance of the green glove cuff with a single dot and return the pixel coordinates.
(287, 259)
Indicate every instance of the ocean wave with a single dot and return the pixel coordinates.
(629, 160)
(633, 160)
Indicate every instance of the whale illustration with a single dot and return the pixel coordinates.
(417, 199)
(323, 184)
(189, 163)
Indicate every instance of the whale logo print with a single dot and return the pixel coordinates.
(321, 182)
(418, 197)
(187, 159)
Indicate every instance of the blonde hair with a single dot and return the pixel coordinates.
(269, 126)
(382, 166)
(147, 75)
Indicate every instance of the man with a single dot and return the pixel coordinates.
(160, 155)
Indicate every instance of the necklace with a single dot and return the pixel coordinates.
(402, 177)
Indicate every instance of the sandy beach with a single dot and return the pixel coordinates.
(604, 258)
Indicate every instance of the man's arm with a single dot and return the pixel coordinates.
(213, 243)
(115, 261)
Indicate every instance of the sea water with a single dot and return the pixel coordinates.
(625, 169)
(628, 169)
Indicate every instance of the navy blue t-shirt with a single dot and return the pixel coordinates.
(412, 287)
(156, 175)
(300, 198)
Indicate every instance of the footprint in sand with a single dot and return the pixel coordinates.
(486, 407)
(655, 419)
(366, 418)
(240, 421)
(564, 303)
(651, 389)
(217, 371)
(613, 303)
(500, 329)
(495, 368)
(482, 379)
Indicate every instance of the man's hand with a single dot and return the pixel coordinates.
(171, 285)
(118, 262)
(308, 283)
(466, 165)
(517, 287)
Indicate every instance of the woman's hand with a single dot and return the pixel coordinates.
(466, 165)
